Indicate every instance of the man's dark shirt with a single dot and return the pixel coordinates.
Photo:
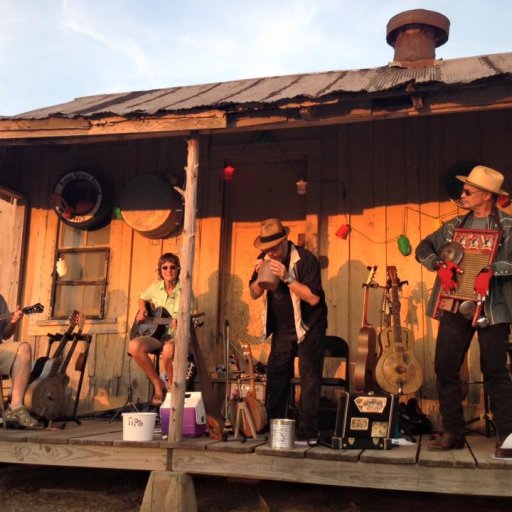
(280, 309)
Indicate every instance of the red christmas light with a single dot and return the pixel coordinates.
(229, 170)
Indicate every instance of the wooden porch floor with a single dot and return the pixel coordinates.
(99, 444)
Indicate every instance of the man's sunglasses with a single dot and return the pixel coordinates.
(468, 192)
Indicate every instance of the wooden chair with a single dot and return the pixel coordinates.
(334, 348)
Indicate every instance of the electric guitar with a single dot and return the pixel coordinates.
(45, 394)
(366, 359)
(397, 371)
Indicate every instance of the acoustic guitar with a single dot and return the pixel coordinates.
(397, 371)
(46, 393)
(366, 359)
(255, 408)
(154, 324)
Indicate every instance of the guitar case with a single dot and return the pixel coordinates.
(365, 421)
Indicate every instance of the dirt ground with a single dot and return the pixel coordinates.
(46, 489)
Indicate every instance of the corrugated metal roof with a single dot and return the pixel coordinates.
(260, 92)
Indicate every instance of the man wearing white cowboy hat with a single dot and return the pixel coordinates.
(296, 316)
(480, 193)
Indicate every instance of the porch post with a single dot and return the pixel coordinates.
(187, 265)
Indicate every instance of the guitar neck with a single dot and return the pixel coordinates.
(28, 310)
(5, 316)
(247, 353)
(364, 322)
(63, 367)
(369, 284)
(397, 328)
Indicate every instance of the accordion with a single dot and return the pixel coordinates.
(472, 250)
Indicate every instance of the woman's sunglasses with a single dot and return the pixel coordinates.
(168, 267)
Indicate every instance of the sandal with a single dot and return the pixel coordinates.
(158, 398)
(21, 416)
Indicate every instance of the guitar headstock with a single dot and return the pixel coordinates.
(31, 310)
(393, 280)
(246, 349)
(392, 275)
(74, 319)
(197, 319)
(370, 283)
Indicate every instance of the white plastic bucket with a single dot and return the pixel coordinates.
(138, 426)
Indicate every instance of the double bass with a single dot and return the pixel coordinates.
(397, 371)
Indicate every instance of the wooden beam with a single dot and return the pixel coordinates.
(187, 265)
(65, 127)
(169, 492)
(403, 477)
(111, 457)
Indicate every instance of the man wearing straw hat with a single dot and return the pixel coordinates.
(480, 193)
(296, 316)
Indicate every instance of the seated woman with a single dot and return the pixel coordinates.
(162, 293)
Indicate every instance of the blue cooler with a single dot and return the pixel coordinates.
(194, 415)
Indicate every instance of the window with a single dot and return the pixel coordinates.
(81, 270)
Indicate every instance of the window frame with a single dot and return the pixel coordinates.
(58, 281)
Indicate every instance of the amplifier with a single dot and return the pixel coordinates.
(365, 421)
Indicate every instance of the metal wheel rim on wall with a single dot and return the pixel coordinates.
(81, 199)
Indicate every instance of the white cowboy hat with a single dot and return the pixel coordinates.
(271, 233)
(486, 179)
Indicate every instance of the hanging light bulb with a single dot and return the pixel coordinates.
(229, 171)
(302, 185)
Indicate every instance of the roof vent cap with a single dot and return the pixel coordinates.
(415, 35)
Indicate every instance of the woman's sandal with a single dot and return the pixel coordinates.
(158, 398)
(21, 416)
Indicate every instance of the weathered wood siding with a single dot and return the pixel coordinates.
(385, 179)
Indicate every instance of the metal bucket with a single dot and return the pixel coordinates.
(282, 434)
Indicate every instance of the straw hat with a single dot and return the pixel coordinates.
(486, 179)
(271, 233)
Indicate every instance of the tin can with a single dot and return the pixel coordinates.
(282, 434)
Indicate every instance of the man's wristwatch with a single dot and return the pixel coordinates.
(289, 280)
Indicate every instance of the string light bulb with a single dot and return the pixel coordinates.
(228, 172)
(302, 186)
